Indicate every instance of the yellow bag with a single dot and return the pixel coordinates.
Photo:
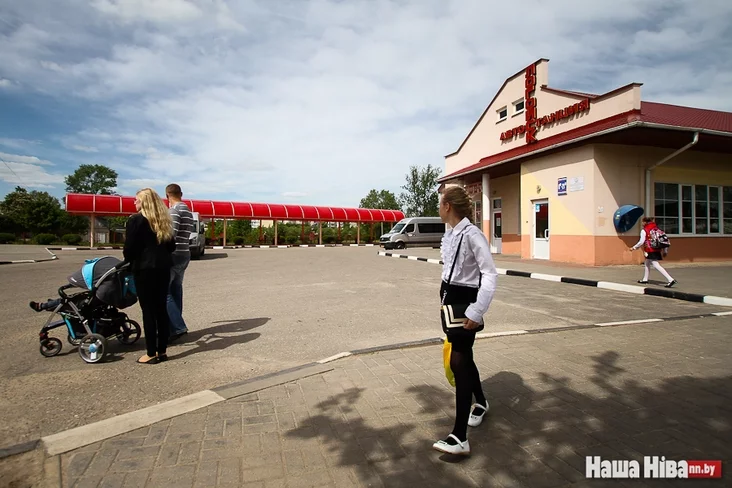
(446, 352)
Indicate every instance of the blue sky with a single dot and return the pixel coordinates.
(312, 101)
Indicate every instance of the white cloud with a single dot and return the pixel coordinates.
(251, 98)
(17, 143)
(28, 175)
(152, 10)
(15, 158)
(5, 83)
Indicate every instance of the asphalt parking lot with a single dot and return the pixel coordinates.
(257, 311)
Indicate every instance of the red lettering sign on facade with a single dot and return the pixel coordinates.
(533, 122)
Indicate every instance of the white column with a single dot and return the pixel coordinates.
(486, 206)
(92, 230)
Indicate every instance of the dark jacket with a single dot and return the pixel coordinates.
(142, 248)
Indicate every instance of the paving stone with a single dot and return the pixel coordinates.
(136, 479)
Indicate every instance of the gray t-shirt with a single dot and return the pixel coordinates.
(182, 227)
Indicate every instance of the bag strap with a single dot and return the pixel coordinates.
(454, 261)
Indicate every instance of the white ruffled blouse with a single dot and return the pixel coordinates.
(475, 260)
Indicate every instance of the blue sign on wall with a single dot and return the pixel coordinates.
(562, 185)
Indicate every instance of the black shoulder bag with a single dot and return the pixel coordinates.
(453, 315)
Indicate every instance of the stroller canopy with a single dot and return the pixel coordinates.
(117, 288)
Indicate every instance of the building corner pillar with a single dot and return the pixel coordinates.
(485, 206)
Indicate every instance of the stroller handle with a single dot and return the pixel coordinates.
(61, 291)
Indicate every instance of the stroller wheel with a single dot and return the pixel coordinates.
(130, 332)
(92, 348)
(50, 347)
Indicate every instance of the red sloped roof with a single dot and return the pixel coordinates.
(112, 205)
(678, 116)
(650, 112)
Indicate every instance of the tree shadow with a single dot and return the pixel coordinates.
(537, 434)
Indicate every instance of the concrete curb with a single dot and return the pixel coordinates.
(75, 438)
(606, 285)
(288, 246)
(96, 248)
(84, 435)
(23, 261)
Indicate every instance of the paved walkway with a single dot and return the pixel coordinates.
(616, 392)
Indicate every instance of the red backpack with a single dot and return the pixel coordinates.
(659, 239)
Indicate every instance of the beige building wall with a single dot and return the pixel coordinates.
(571, 216)
(508, 189)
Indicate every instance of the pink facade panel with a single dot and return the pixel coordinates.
(278, 211)
(128, 205)
(339, 214)
(107, 204)
(242, 210)
(260, 211)
(223, 209)
(124, 205)
(294, 212)
(365, 215)
(352, 215)
(325, 213)
(311, 213)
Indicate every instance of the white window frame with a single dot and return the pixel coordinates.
(720, 189)
(498, 114)
(518, 112)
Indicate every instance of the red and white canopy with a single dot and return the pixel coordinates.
(116, 205)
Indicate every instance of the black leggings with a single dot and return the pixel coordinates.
(152, 291)
(467, 377)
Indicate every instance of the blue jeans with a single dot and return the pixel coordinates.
(175, 294)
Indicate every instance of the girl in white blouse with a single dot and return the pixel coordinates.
(473, 281)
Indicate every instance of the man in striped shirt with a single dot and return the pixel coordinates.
(182, 227)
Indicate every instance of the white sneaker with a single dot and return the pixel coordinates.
(475, 420)
(461, 448)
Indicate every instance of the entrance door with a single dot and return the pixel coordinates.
(497, 227)
(541, 229)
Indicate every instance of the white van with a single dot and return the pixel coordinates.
(414, 231)
(197, 240)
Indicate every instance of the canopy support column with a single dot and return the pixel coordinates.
(92, 230)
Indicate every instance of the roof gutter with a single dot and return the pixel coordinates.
(664, 160)
(637, 123)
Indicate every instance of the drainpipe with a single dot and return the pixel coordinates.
(667, 158)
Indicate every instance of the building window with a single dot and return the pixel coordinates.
(502, 114)
(518, 107)
(693, 209)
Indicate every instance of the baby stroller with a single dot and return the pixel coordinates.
(92, 316)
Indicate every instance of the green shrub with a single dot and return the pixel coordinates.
(45, 239)
(71, 239)
(7, 238)
(238, 240)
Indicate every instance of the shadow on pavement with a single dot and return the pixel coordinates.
(210, 338)
(536, 436)
(211, 256)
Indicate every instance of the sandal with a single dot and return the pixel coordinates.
(162, 357)
(475, 420)
(150, 360)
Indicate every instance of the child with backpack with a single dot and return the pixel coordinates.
(655, 244)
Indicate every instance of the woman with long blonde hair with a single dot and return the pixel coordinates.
(149, 244)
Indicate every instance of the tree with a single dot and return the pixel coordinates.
(383, 200)
(34, 211)
(420, 197)
(96, 179)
